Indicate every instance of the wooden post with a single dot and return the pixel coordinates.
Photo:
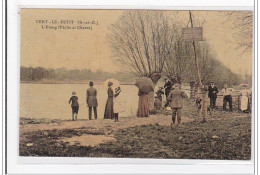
(195, 53)
(203, 90)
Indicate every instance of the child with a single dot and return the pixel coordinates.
(74, 105)
(117, 105)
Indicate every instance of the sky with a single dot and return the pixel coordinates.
(90, 49)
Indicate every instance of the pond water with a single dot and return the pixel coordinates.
(51, 100)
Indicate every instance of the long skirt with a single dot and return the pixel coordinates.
(143, 107)
(243, 103)
(109, 110)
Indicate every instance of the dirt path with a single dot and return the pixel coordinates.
(124, 122)
(106, 126)
(102, 123)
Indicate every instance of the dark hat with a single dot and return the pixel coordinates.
(73, 93)
(91, 83)
(165, 78)
(110, 83)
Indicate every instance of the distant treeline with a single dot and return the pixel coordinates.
(60, 74)
(219, 73)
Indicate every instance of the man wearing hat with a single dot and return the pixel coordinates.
(213, 91)
(175, 97)
(92, 100)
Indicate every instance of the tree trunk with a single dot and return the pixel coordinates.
(155, 77)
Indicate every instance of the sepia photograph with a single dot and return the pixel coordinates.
(152, 84)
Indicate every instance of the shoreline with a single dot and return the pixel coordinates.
(68, 82)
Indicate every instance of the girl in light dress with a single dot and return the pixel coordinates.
(118, 108)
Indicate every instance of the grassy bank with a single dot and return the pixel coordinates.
(228, 138)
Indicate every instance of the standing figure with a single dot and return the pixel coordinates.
(202, 102)
(244, 94)
(227, 97)
(74, 105)
(175, 97)
(157, 103)
(160, 93)
(92, 100)
(249, 101)
(213, 91)
(168, 88)
(118, 108)
(109, 110)
(143, 106)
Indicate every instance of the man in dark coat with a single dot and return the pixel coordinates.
(92, 100)
(168, 88)
(175, 97)
(213, 91)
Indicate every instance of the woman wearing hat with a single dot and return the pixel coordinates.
(109, 110)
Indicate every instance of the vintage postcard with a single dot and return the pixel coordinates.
(158, 84)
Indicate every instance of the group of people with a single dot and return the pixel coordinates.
(168, 87)
(174, 96)
(112, 108)
(244, 98)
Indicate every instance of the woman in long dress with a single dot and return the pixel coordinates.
(143, 106)
(244, 99)
(109, 110)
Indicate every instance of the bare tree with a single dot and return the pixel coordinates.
(142, 40)
(179, 60)
(242, 25)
